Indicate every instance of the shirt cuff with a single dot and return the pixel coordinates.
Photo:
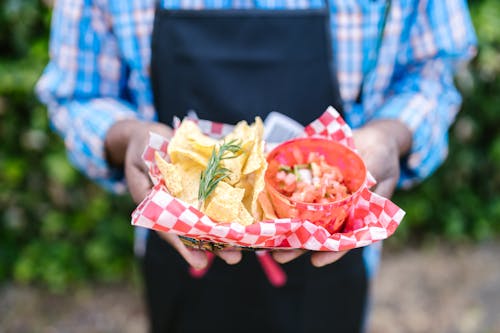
(84, 126)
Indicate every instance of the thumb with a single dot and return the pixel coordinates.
(138, 181)
(386, 187)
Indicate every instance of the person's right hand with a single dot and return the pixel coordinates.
(125, 143)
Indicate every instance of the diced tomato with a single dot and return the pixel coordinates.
(315, 169)
(280, 176)
(324, 183)
(297, 155)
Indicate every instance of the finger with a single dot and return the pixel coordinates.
(194, 257)
(162, 130)
(320, 259)
(231, 256)
(138, 182)
(385, 188)
(284, 256)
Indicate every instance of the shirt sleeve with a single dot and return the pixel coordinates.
(83, 87)
(422, 93)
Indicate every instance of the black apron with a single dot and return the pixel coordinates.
(232, 65)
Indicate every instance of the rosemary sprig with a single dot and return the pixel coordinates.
(214, 172)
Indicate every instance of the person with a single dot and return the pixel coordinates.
(119, 70)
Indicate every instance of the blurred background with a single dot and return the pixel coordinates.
(66, 261)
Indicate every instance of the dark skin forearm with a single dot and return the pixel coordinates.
(117, 140)
(127, 131)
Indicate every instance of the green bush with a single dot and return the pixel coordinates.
(57, 228)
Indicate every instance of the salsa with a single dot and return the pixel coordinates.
(314, 181)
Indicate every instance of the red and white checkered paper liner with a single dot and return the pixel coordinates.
(373, 218)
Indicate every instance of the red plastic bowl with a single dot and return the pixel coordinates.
(331, 215)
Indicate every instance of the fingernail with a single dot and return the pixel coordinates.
(231, 261)
(199, 265)
(283, 257)
(230, 257)
(317, 263)
(319, 260)
(199, 260)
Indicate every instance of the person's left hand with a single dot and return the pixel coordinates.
(380, 144)
(125, 142)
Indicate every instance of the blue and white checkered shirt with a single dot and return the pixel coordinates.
(100, 56)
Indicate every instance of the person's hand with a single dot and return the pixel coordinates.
(318, 258)
(125, 142)
(380, 144)
(198, 258)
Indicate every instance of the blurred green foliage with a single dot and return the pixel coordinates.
(57, 228)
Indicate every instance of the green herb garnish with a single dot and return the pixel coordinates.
(285, 168)
(297, 168)
(214, 172)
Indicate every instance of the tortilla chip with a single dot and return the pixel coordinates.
(223, 203)
(182, 180)
(188, 143)
(256, 157)
(244, 217)
(190, 178)
(235, 199)
(170, 175)
(243, 135)
(266, 205)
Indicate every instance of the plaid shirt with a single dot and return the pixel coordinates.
(100, 55)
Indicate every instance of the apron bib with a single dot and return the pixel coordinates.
(232, 65)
